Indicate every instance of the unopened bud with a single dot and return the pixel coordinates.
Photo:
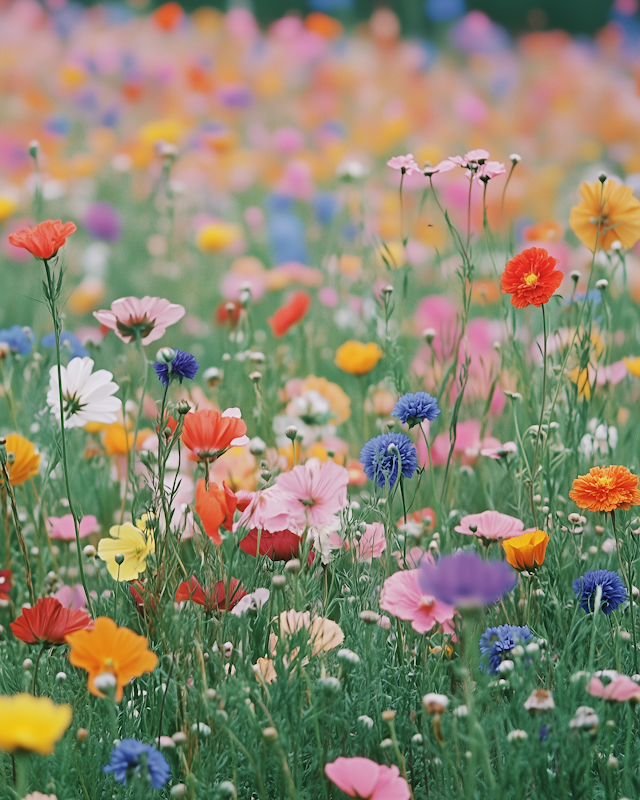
(293, 566)
(429, 334)
(602, 177)
(575, 275)
(213, 376)
(255, 376)
(515, 158)
(279, 581)
(119, 559)
(82, 734)
(602, 284)
(34, 147)
(291, 432)
(270, 734)
(89, 551)
(166, 355)
(183, 407)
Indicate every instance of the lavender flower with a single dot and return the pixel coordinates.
(380, 457)
(182, 365)
(131, 757)
(414, 407)
(496, 642)
(465, 580)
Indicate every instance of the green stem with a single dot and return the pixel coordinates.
(544, 394)
(132, 471)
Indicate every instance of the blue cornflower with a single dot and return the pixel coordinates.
(495, 643)
(182, 365)
(613, 590)
(381, 464)
(131, 755)
(17, 339)
(68, 342)
(414, 407)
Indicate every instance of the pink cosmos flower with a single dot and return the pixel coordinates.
(72, 597)
(402, 597)
(372, 543)
(363, 778)
(412, 559)
(315, 492)
(490, 169)
(406, 164)
(612, 374)
(63, 527)
(267, 509)
(444, 166)
(148, 317)
(621, 689)
(491, 525)
(473, 156)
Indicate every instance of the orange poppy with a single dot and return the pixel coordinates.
(25, 462)
(207, 434)
(108, 648)
(215, 507)
(526, 551)
(289, 314)
(531, 278)
(44, 240)
(168, 16)
(606, 489)
(220, 597)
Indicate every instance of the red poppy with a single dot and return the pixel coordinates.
(531, 278)
(218, 598)
(45, 239)
(228, 313)
(276, 545)
(208, 434)
(49, 622)
(215, 508)
(5, 583)
(289, 314)
(142, 596)
(168, 16)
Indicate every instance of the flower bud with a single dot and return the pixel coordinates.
(279, 581)
(89, 551)
(515, 158)
(293, 566)
(183, 407)
(291, 432)
(213, 376)
(270, 734)
(165, 355)
(434, 703)
(257, 446)
(82, 734)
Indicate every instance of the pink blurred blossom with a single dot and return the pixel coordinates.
(151, 315)
(621, 689)
(72, 597)
(490, 525)
(363, 778)
(314, 492)
(406, 164)
(402, 597)
(611, 374)
(63, 527)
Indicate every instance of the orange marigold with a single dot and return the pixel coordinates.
(531, 278)
(606, 489)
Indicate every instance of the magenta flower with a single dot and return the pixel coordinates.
(73, 597)
(372, 543)
(402, 597)
(465, 580)
(490, 525)
(63, 527)
(363, 778)
(267, 509)
(147, 317)
(315, 492)
(619, 690)
(406, 164)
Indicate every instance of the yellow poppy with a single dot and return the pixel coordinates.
(32, 723)
(117, 441)
(526, 551)
(608, 213)
(25, 462)
(633, 365)
(134, 542)
(357, 358)
(217, 236)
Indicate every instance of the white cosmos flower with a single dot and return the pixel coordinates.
(87, 395)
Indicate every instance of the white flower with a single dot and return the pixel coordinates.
(87, 396)
(599, 439)
(254, 601)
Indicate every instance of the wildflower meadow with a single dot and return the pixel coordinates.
(319, 374)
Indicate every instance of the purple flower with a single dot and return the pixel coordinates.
(182, 365)
(131, 757)
(103, 222)
(465, 580)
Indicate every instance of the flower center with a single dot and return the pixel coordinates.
(605, 481)
(72, 405)
(427, 602)
(136, 327)
(531, 279)
(309, 502)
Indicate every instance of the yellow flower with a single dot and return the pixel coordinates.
(526, 551)
(608, 213)
(633, 365)
(118, 442)
(166, 130)
(339, 400)
(134, 542)
(7, 207)
(583, 379)
(86, 296)
(31, 723)
(217, 236)
(25, 462)
(357, 358)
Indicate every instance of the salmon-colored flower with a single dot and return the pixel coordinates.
(44, 240)
(168, 16)
(608, 213)
(222, 596)
(108, 648)
(526, 551)
(49, 621)
(5, 583)
(290, 313)
(606, 489)
(531, 278)
(620, 689)
(215, 507)
(208, 433)
(26, 461)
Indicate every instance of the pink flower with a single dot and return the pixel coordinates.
(444, 166)
(372, 543)
(267, 510)
(148, 317)
(406, 164)
(402, 597)
(363, 778)
(412, 559)
(498, 451)
(63, 527)
(314, 492)
(490, 525)
(490, 169)
(621, 689)
(72, 597)
(474, 156)
(612, 374)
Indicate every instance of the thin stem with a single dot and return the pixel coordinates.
(35, 670)
(52, 294)
(132, 471)
(544, 394)
(627, 580)
(18, 527)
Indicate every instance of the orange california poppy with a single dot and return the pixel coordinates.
(289, 314)
(606, 489)
(26, 461)
(49, 622)
(208, 434)
(526, 551)
(531, 278)
(44, 240)
(168, 16)
(215, 508)
(108, 648)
